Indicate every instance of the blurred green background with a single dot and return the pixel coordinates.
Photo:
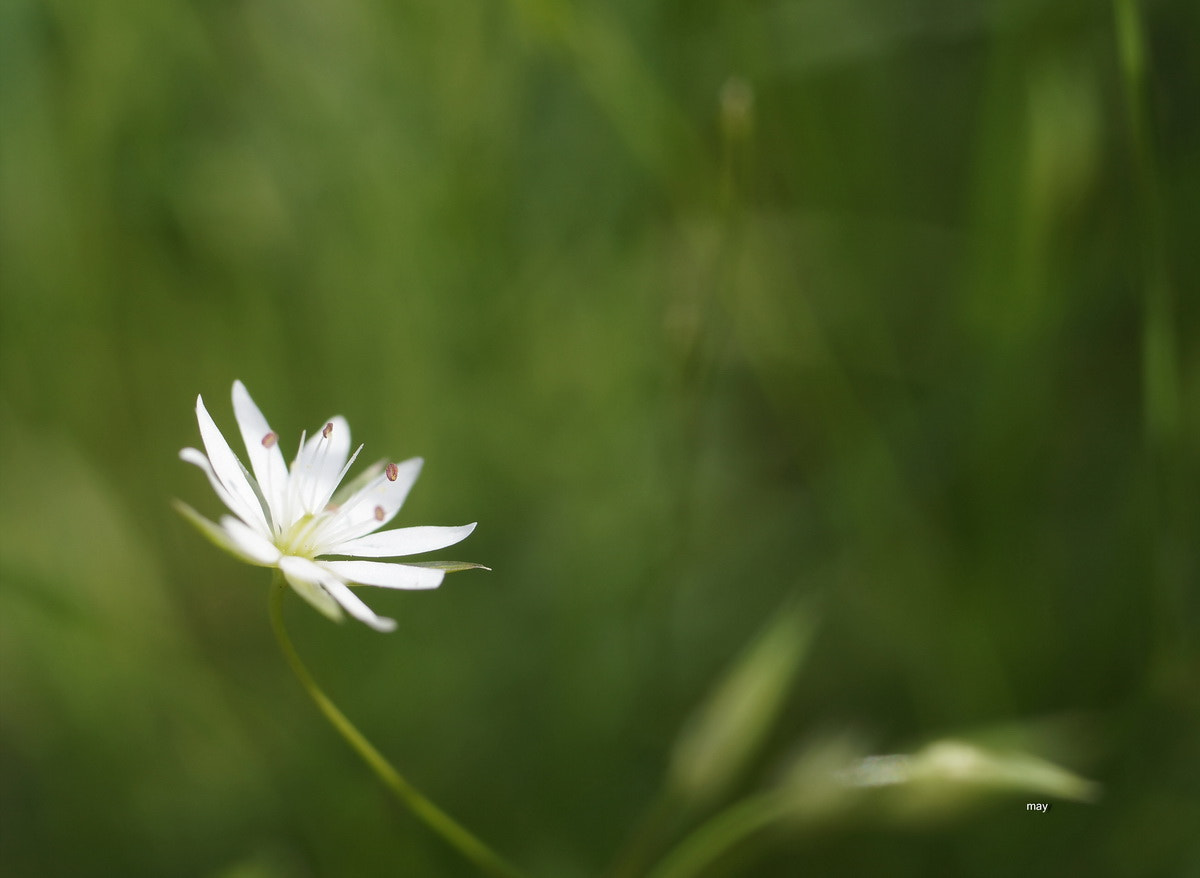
(882, 311)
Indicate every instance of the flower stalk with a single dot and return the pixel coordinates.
(487, 860)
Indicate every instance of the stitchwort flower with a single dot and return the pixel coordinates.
(299, 522)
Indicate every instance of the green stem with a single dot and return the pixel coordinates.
(719, 835)
(434, 817)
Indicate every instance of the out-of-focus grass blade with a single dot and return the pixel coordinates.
(943, 777)
(728, 729)
(944, 773)
(829, 781)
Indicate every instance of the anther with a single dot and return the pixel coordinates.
(328, 431)
(391, 471)
(269, 440)
(379, 513)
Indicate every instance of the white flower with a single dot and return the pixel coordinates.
(294, 522)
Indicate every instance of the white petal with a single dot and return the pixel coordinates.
(385, 575)
(331, 460)
(305, 577)
(402, 541)
(228, 470)
(373, 506)
(219, 535)
(252, 545)
(267, 462)
(198, 458)
(353, 605)
(325, 499)
(360, 481)
(319, 464)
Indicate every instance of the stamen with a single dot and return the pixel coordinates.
(392, 471)
(379, 513)
(269, 440)
(328, 431)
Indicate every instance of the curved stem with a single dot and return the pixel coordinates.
(720, 834)
(430, 814)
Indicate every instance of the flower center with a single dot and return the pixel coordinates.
(301, 538)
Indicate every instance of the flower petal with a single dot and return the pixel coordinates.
(385, 575)
(356, 484)
(219, 535)
(324, 500)
(374, 505)
(198, 458)
(332, 458)
(262, 448)
(306, 577)
(228, 470)
(252, 544)
(402, 541)
(319, 463)
(353, 605)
